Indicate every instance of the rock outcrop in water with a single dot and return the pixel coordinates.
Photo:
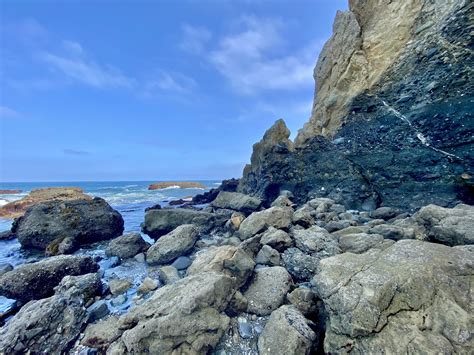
(392, 119)
(60, 227)
(18, 208)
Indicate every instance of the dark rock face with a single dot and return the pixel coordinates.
(406, 142)
(47, 225)
(229, 185)
(127, 246)
(37, 280)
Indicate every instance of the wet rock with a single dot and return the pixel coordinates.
(147, 285)
(268, 256)
(168, 274)
(393, 232)
(385, 213)
(450, 226)
(119, 286)
(398, 299)
(7, 235)
(235, 220)
(98, 310)
(182, 263)
(47, 225)
(258, 222)
(127, 246)
(277, 239)
(37, 280)
(303, 299)
(185, 317)
(352, 230)
(119, 300)
(163, 221)
(237, 305)
(300, 265)
(359, 243)
(174, 244)
(101, 334)
(4, 268)
(229, 260)
(140, 257)
(333, 226)
(245, 329)
(236, 201)
(51, 325)
(287, 332)
(267, 289)
(176, 184)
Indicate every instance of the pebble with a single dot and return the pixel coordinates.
(98, 310)
(245, 329)
(4, 268)
(140, 257)
(119, 300)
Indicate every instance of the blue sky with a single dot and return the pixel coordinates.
(151, 90)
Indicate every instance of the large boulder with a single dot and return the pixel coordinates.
(287, 332)
(361, 242)
(450, 226)
(47, 225)
(127, 246)
(159, 222)
(18, 208)
(317, 242)
(227, 259)
(267, 289)
(236, 201)
(37, 280)
(413, 297)
(51, 325)
(258, 222)
(185, 317)
(174, 244)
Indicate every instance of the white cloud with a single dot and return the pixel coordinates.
(255, 58)
(76, 65)
(6, 112)
(194, 39)
(170, 82)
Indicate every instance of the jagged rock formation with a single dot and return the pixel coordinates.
(392, 119)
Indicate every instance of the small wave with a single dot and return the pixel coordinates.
(3, 202)
(169, 188)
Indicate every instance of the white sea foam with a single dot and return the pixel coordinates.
(3, 202)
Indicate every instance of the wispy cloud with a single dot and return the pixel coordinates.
(75, 64)
(194, 39)
(75, 152)
(252, 58)
(6, 112)
(171, 83)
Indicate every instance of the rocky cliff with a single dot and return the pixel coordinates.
(392, 118)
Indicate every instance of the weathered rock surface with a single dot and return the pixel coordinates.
(51, 325)
(287, 332)
(450, 226)
(102, 333)
(316, 241)
(229, 260)
(159, 222)
(359, 243)
(37, 280)
(172, 245)
(17, 208)
(394, 107)
(185, 317)
(47, 225)
(413, 297)
(127, 246)
(267, 289)
(277, 239)
(236, 201)
(268, 256)
(258, 222)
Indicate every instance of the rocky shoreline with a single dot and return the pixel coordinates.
(357, 237)
(237, 277)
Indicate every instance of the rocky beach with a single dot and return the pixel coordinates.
(355, 237)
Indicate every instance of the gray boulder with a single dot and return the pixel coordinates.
(450, 226)
(258, 222)
(62, 226)
(101, 334)
(51, 325)
(277, 239)
(268, 256)
(174, 244)
(37, 280)
(127, 246)
(304, 299)
(159, 222)
(413, 297)
(267, 290)
(287, 332)
(185, 317)
(236, 201)
(300, 265)
(316, 241)
(360, 243)
(394, 232)
(385, 213)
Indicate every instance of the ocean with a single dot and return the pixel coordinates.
(130, 198)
